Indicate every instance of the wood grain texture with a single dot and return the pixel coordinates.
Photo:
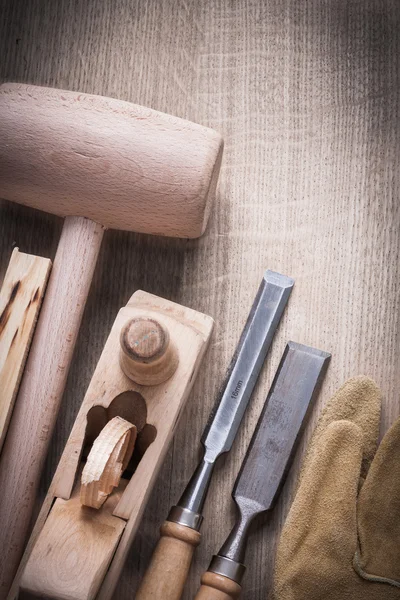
(217, 587)
(73, 550)
(165, 578)
(20, 300)
(107, 460)
(307, 98)
(121, 165)
(147, 355)
(42, 385)
(154, 411)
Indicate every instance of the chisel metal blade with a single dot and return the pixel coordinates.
(236, 391)
(180, 535)
(279, 427)
(246, 364)
(271, 449)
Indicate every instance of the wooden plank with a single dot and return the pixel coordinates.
(307, 97)
(20, 299)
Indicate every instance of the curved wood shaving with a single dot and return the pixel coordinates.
(107, 460)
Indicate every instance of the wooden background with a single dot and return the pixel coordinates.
(307, 97)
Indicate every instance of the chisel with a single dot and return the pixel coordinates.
(166, 575)
(266, 463)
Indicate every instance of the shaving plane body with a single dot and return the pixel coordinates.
(111, 460)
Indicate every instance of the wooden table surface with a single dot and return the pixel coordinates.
(307, 97)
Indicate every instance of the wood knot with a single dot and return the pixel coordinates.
(147, 355)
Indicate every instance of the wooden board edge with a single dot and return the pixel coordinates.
(33, 271)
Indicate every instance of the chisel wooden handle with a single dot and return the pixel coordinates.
(217, 587)
(166, 576)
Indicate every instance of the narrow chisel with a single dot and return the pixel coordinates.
(266, 463)
(166, 575)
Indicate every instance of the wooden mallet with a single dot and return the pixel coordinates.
(99, 163)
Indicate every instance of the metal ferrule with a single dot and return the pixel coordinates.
(185, 517)
(227, 568)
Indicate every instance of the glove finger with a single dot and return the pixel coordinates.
(320, 534)
(359, 401)
(379, 511)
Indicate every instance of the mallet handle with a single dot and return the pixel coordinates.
(42, 387)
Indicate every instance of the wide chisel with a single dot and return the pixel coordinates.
(166, 575)
(266, 463)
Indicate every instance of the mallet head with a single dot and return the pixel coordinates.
(119, 164)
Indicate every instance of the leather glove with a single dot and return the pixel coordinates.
(341, 539)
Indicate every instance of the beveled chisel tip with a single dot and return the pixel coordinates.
(278, 279)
